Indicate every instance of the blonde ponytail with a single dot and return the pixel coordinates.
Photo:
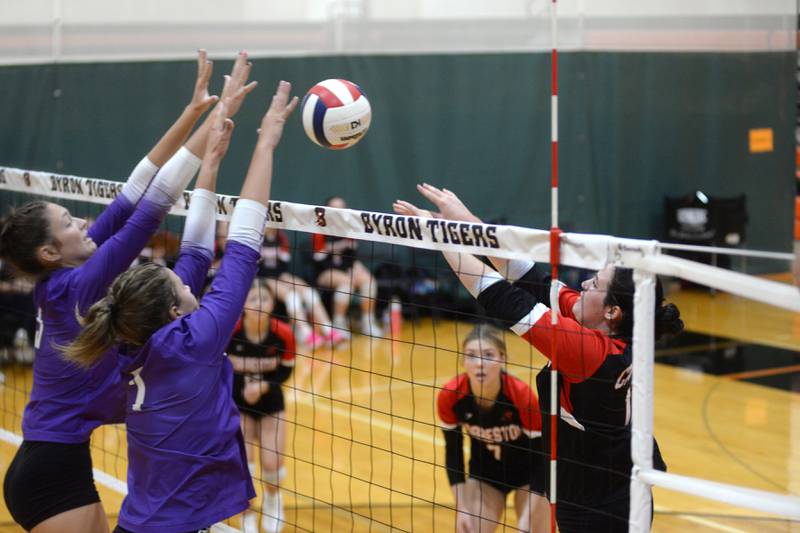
(136, 306)
(97, 336)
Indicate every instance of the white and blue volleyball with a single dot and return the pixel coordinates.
(336, 114)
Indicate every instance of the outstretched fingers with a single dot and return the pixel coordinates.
(236, 86)
(281, 106)
(201, 100)
(401, 207)
(275, 118)
(432, 193)
(204, 67)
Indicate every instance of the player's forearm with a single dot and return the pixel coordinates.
(474, 275)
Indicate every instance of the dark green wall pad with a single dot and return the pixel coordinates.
(633, 126)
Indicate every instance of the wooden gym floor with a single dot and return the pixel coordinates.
(364, 453)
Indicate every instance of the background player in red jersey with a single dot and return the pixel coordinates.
(262, 351)
(501, 415)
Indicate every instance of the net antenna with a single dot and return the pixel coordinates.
(555, 247)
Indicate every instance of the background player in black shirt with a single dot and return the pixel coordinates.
(262, 352)
(303, 303)
(338, 268)
(501, 415)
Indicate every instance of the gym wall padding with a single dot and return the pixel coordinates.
(633, 127)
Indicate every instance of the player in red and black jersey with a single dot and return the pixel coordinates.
(593, 336)
(262, 352)
(501, 415)
(338, 268)
(303, 304)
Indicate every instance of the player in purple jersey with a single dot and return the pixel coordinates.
(187, 466)
(593, 336)
(49, 484)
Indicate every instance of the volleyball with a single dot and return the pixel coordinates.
(336, 114)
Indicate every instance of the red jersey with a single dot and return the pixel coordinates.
(502, 437)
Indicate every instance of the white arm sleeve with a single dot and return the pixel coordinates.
(247, 223)
(139, 179)
(200, 221)
(518, 268)
(173, 178)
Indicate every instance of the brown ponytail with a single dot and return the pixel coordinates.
(22, 232)
(137, 304)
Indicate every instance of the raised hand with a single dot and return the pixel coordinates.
(201, 100)
(274, 120)
(236, 86)
(180, 130)
(401, 207)
(450, 206)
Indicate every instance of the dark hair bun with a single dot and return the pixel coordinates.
(668, 321)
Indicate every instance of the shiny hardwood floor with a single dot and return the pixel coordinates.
(364, 453)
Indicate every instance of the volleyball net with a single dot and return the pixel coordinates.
(363, 440)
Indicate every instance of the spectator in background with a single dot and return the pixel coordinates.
(262, 352)
(162, 249)
(17, 316)
(312, 325)
(339, 269)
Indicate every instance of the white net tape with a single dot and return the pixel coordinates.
(510, 242)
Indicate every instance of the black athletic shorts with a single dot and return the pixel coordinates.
(507, 477)
(270, 403)
(48, 478)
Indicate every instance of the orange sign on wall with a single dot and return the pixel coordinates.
(760, 140)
